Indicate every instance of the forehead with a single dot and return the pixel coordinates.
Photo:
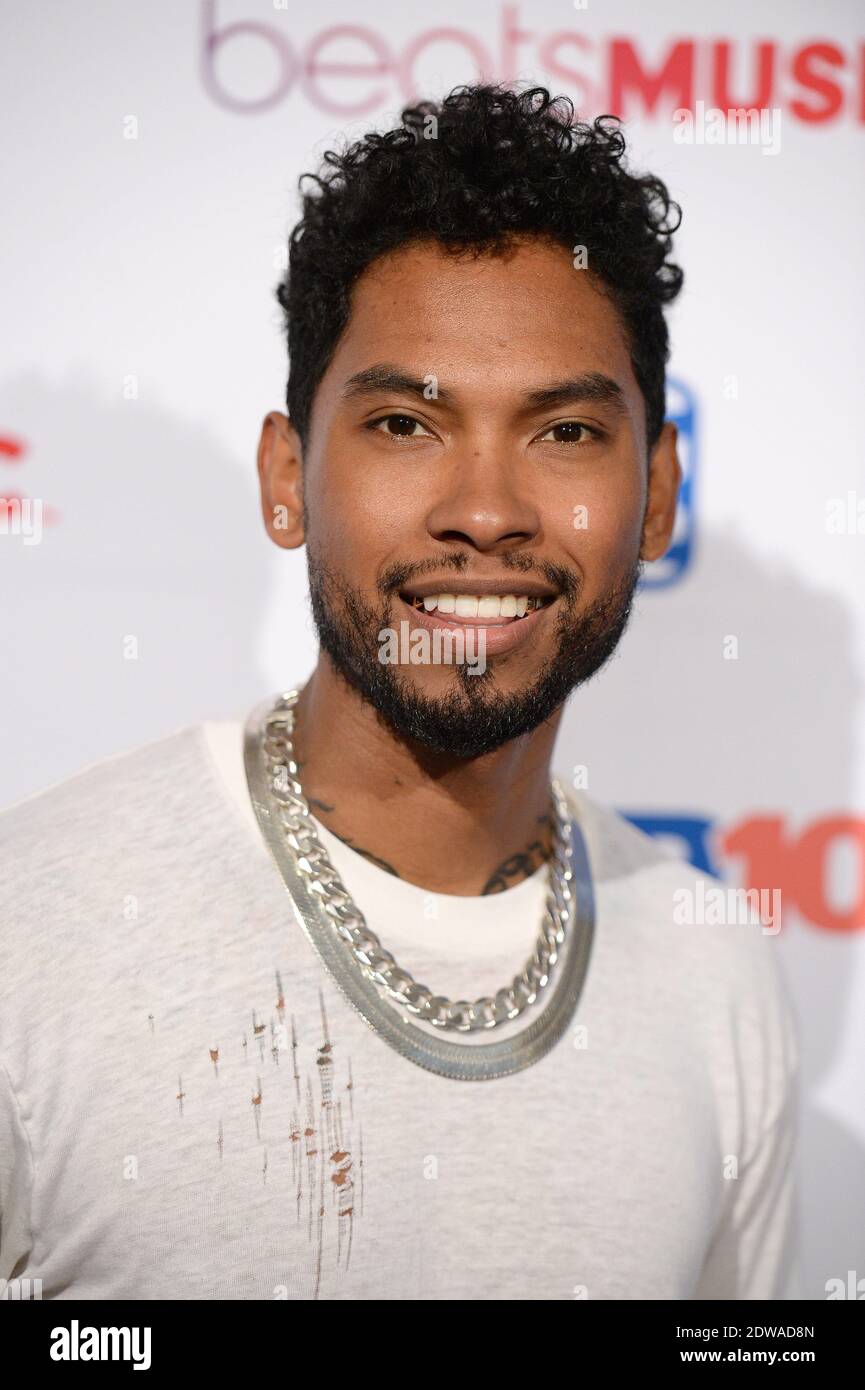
(485, 322)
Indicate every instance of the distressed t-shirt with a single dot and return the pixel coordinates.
(190, 1108)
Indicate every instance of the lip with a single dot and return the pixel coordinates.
(502, 635)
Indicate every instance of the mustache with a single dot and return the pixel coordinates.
(398, 575)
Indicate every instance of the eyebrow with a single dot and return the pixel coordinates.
(592, 388)
(588, 388)
(384, 377)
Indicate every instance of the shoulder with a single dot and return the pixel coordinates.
(617, 848)
(66, 810)
(690, 934)
(92, 835)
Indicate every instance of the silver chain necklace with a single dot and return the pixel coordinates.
(326, 910)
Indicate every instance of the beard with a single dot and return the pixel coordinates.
(475, 716)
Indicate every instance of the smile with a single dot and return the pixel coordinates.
(502, 622)
(477, 609)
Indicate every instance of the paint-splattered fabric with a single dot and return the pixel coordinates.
(190, 1109)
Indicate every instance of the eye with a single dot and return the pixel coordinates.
(399, 427)
(571, 432)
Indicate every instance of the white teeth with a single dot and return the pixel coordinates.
(484, 606)
(489, 607)
(466, 606)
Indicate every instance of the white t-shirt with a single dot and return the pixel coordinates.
(189, 1108)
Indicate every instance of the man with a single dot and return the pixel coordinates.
(531, 1080)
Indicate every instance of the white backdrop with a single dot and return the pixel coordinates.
(149, 164)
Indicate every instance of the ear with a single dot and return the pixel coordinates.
(665, 476)
(280, 476)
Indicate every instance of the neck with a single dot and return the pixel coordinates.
(467, 826)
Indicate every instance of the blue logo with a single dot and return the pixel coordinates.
(688, 836)
(682, 410)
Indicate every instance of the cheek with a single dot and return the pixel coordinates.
(337, 506)
(356, 514)
(600, 528)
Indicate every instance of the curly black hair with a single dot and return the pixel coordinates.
(486, 163)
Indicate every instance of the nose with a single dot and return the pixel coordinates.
(485, 502)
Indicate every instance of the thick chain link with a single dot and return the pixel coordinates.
(298, 828)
